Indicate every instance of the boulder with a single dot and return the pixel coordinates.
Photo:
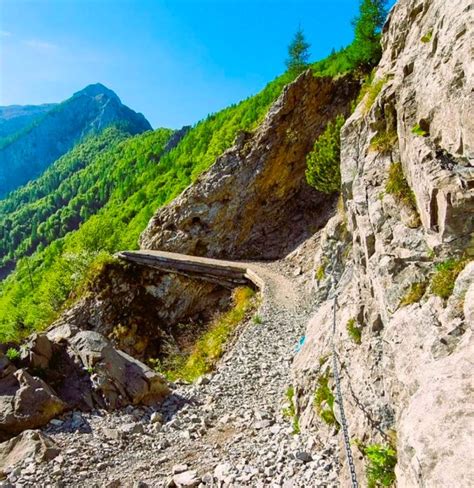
(26, 402)
(37, 351)
(29, 444)
(117, 378)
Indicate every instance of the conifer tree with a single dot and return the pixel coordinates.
(298, 53)
(366, 50)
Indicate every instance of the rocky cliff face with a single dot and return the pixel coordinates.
(28, 152)
(254, 202)
(409, 378)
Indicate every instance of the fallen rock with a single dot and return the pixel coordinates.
(37, 351)
(29, 444)
(186, 479)
(132, 428)
(117, 378)
(26, 402)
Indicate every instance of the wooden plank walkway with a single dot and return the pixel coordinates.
(225, 273)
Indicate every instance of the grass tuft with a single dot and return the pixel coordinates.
(414, 294)
(371, 91)
(383, 142)
(323, 400)
(418, 131)
(354, 331)
(398, 186)
(427, 37)
(442, 282)
(290, 411)
(381, 462)
(257, 319)
(13, 354)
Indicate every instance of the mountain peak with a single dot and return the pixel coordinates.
(97, 89)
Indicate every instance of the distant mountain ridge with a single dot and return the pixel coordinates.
(14, 118)
(45, 133)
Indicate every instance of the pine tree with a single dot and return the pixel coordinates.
(323, 161)
(298, 53)
(365, 51)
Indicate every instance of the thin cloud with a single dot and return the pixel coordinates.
(4, 33)
(40, 45)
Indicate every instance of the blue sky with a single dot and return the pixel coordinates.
(173, 60)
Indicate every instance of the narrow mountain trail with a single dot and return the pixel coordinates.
(227, 430)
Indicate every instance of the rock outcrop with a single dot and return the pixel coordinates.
(254, 202)
(409, 377)
(140, 309)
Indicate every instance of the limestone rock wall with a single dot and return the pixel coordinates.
(409, 378)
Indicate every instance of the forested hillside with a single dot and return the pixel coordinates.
(25, 154)
(72, 189)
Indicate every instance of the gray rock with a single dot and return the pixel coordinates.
(186, 479)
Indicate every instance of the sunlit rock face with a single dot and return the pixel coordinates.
(409, 378)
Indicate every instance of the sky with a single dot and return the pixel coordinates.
(175, 61)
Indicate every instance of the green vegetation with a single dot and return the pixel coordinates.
(257, 319)
(427, 37)
(354, 331)
(321, 271)
(442, 282)
(418, 131)
(210, 346)
(383, 142)
(324, 400)
(370, 91)
(298, 53)
(398, 186)
(365, 51)
(290, 411)
(13, 354)
(414, 294)
(323, 161)
(381, 462)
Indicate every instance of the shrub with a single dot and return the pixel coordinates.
(414, 294)
(398, 186)
(418, 131)
(383, 142)
(442, 282)
(13, 354)
(381, 465)
(323, 172)
(324, 400)
(427, 37)
(354, 331)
